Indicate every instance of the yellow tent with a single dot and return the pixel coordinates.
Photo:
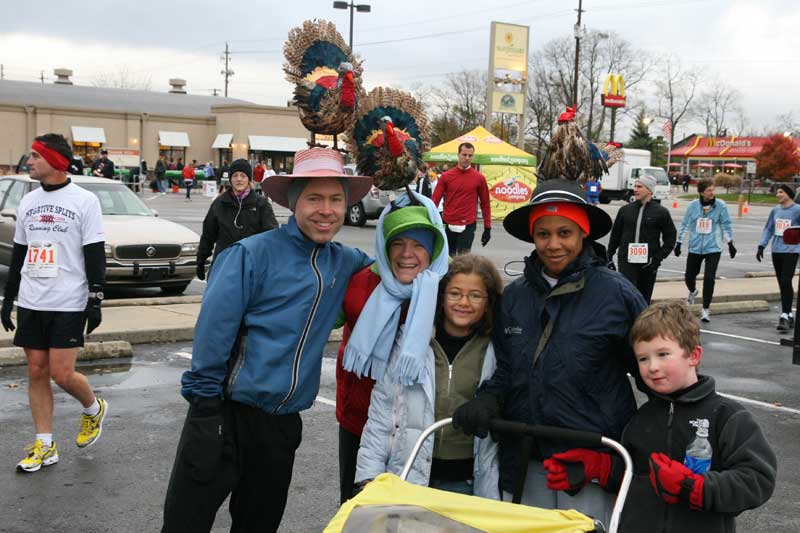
(510, 172)
(489, 150)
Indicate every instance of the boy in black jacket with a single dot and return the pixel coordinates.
(699, 458)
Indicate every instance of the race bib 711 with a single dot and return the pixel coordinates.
(704, 225)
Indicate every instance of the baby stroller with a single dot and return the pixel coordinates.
(391, 504)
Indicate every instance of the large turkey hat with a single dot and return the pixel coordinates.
(558, 190)
(316, 163)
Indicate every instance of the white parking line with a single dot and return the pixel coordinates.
(326, 401)
(739, 337)
(153, 197)
(761, 404)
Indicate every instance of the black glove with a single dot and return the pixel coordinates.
(201, 271)
(677, 249)
(473, 417)
(731, 249)
(760, 254)
(93, 315)
(487, 235)
(5, 314)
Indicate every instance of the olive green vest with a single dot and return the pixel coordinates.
(455, 385)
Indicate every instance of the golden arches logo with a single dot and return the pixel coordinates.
(614, 85)
(613, 91)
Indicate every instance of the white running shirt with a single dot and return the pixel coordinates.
(55, 226)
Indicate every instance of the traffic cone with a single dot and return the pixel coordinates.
(746, 208)
(175, 189)
(674, 203)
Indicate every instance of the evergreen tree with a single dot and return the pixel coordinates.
(640, 136)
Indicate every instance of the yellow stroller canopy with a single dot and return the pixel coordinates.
(389, 504)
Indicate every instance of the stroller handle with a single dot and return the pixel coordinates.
(572, 436)
(583, 438)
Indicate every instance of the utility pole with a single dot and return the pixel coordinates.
(227, 72)
(214, 92)
(41, 76)
(577, 55)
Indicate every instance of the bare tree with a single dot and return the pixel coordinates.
(457, 106)
(122, 78)
(676, 89)
(717, 107)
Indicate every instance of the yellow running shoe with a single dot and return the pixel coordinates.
(92, 426)
(38, 456)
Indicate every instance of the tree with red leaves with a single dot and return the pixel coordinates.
(778, 159)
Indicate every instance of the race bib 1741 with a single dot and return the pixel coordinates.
(42, 260)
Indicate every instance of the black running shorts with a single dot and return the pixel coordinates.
(41, 330)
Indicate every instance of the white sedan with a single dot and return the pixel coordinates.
(142, 250)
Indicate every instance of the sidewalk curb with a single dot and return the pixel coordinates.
(14, 355)
(159, 300)
(146, 336)
(724, 308)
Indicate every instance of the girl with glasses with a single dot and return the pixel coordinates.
(460, 357)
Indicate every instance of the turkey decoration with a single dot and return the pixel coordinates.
(570, 155)
(389, 136)
(327, 77)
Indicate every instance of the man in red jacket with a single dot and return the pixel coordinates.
(461, 188)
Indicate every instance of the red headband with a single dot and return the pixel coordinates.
(571, 211)
(56, 160)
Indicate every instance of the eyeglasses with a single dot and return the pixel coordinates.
(473, 297)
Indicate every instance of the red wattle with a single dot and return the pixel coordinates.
(348, 98)
(395, 148)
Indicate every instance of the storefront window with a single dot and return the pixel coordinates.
(225, 156)
(90, 152)
(279, 161)
(172, 154)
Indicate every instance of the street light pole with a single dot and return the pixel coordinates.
(577, 55)
(361, 8)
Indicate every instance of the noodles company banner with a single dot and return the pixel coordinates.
(510, 187)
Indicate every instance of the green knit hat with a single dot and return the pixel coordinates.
(411, 217)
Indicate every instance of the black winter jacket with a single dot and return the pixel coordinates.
(563, 353)
(229, 221)
(743, 466)
(656, 225)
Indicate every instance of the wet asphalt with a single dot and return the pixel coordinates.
(119, 484)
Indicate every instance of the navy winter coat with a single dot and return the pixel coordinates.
(563, 353)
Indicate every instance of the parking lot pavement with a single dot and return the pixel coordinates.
(125, 475)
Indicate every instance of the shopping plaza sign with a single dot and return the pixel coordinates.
(613, 94)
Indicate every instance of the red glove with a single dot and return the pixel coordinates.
(674, 482)
(596, 465)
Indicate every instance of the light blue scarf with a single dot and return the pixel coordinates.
(369, 346)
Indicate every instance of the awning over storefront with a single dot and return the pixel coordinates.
(83, 134)
(277, 144)
(173, 138)
(223, 141)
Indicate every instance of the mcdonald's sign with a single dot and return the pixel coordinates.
(613, 91)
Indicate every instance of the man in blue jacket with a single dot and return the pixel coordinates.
(266, 315)
(709, 226)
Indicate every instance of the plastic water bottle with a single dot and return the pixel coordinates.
(698, 453)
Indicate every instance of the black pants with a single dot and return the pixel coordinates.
(643, 277)
(460, 243)
(189, 185)
(252, 460)
(784, 270)
(693, 262)
(348, 456)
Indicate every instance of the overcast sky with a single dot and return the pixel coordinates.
(752, 44)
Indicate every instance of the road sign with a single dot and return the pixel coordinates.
(751, 167)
